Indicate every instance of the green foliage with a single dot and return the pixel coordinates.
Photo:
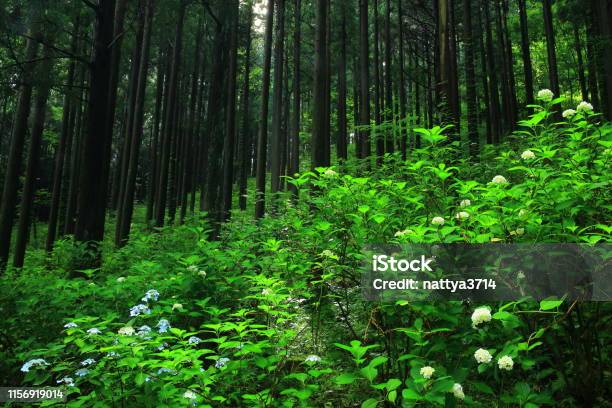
(272, 314)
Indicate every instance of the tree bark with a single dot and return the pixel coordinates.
(277, 107)
(341, 141)
(262, 140)
(364, 101)
(319, 137)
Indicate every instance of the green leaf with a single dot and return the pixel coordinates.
(345, 379)
(370, 403)
(550, 304)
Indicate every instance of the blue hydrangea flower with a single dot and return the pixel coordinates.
(151, 294)
(144, 330)
(81, 372)
(70, 325)
(163, 325)
(222, 362)
(194, 340)
(139, 309)
(88, 361)
(94, 331)
(162, 347)
(66, 380)
(112, 354)
(37, 362)
(165, 370)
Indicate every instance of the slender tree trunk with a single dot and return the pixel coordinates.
(470, 80)
(244, 152)
(380, 142)
(493, 87)
(604, 13)
(319, 137)
(64, 141)
(581, 75)
(228, 162)
(364, 85)
(262, 140)
(15, 157)
(294, 165)
(137, 129)
(526, 53)
(277, 107)
(33, 163)
(553, 76)
(154, 153)
(404, 125)
(341, 148)
(389, 136)
(162, 189)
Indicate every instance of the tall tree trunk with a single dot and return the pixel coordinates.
(277, 107)
(604, 13)
(493, 86)
(244, 152)
(553, 76)
(33, 163)
(364, 85)
(389, 136)
(228, 149)
(470, 80)
(443, 85)
(378, 101)
(319, 138)
(581, 75)
(262, 140)
(341, 141)
(15, 157)
(404, 125)
(168, 128)
(64, 141)
(526, 53)
(136, 130)
(154, 153)
(294, 165)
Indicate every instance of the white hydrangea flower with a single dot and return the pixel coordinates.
(483, 356)
(330, 173)
(584, 107)
(568, 113)
(192, 268)
(522, 212)
(70, 325)
(190, 395)
(499, 180)
(313, 358)
(458, 391)
(505, 363)
(177, 306)
(403, 232)
(328, 254)
(202, 274)
(462, 215)
(127, 331)
(266, 292)
(527, 155)
(427, 371)
(520, 275)
(94, 331)
(465, 203)
(481, 315)
(437, 221)
(546, 95)
(121, 279)
(520, 231)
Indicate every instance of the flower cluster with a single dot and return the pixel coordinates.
(37, 362)
(545, 95)
(527, 155)
(427, 372)
(481, 315)
(499, 180)
(222, 362)
(151, 294)
(483, 356)
(163, 326)
(437, 221)
(139, 309)
(505, 363)
(458, 391)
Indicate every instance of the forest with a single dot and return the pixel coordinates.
(192, 191)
